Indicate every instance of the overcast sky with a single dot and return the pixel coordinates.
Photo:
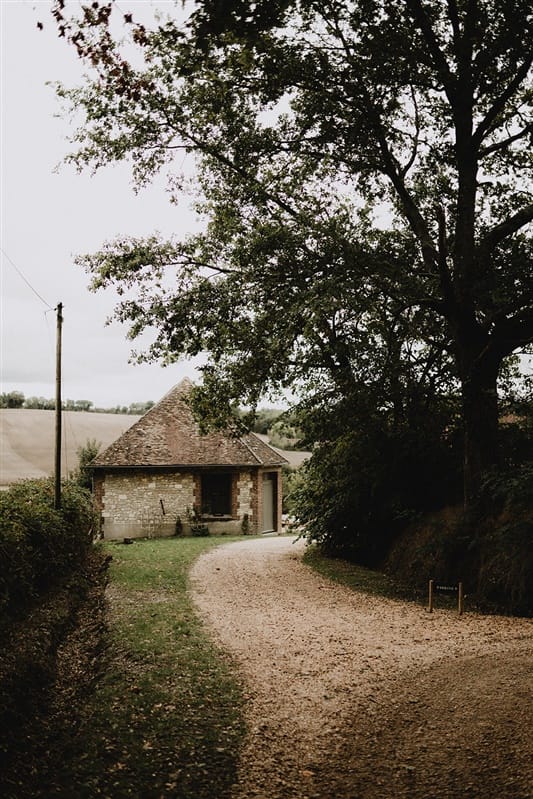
(48, 217)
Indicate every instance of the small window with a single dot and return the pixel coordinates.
(216, 494)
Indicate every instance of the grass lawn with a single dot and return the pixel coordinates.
(356, 577)
(165, 718)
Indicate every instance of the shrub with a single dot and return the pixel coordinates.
(39, 546)
(196, 526)
(199, 530)
(503, 545)
(86, 454)
(489, 549)
(245, 524)
(361, 490)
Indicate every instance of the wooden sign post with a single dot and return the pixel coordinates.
(442, 588)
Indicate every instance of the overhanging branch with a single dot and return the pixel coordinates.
(511, 225)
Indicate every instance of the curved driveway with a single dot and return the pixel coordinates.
(335, 681)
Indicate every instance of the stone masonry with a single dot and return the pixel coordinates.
(137, 503)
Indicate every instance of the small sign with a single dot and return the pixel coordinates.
(445, 588)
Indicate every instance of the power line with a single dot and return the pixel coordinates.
(25, 279)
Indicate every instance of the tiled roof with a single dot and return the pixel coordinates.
(167, 435)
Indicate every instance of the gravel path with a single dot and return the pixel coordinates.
(359, 697)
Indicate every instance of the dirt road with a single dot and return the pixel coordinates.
(358, 697)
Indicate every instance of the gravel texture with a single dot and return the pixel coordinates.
(360, 697)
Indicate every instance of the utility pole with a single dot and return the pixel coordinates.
(57, 498)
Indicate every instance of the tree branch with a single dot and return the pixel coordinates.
(502, 145)
(498, 105)
(421, 19)
(511, 225)
(512, 333)
(416, 138)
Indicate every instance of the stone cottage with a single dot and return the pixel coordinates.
(162, 475)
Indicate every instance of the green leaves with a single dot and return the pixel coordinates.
(364, 172)
(40, 546)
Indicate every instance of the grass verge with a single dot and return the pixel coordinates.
(162, 718)
(358, 578)
(369, 581)
(166, 717)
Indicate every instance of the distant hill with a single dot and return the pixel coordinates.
(27, 439)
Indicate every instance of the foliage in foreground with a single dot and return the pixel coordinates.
(504, 545)
(390, 497)
(43, 682)
(39, 545)
(497, 572)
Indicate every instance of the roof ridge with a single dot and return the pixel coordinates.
(248, 447)
(168, 435)
(264, 444)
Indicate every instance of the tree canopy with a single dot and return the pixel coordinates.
(364, 170)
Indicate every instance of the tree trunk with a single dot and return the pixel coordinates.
(480, 418)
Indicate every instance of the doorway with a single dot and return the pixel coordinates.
(269, 497)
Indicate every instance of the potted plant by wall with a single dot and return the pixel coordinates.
(245, 525)
(196, 525)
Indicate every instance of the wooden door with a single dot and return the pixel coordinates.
(268, 503)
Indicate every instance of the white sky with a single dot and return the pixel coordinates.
(47, 218)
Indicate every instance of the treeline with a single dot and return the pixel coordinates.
(280, 426)
(274, 422)
(16, 399)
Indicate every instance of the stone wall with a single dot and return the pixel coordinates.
(244, 500)
(143, 504)
(137, 504)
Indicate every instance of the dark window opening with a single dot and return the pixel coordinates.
(216, 494)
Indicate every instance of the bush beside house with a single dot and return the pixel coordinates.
(41, 546)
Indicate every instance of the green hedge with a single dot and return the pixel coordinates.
(490, 549)
(40, 546)
(503, 546)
